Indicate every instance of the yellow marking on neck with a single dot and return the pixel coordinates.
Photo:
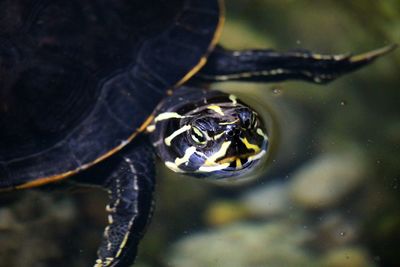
(238, 163)
(229, 122)
(176, 133)
(227, 160)
(248, 145)
(211, 161)
(256, 156)
(188, 153)
(213, 168)
(151, 128)
(218, 136)
(260, 132)
(173, 167)
(216, 109)
(167, 116)
(233, 98)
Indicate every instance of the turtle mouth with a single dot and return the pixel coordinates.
(244, 161)
(233, 158)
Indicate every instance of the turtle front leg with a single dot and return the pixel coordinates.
(130, 188)
(271, 66)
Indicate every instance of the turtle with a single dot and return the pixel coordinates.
(94, 90)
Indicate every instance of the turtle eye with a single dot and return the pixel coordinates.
(198, 136)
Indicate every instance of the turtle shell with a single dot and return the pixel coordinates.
(79, 79)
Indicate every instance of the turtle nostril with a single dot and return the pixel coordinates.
(233, 132)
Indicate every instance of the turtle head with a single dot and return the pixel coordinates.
(218, 136)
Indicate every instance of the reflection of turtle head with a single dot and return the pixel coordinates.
(218, 136)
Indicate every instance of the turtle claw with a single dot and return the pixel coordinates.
(372, 55)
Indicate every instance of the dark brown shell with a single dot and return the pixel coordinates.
(80, 78)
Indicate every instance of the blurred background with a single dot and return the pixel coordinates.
(329, 196)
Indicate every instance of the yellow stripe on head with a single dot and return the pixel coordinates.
(172, 166)
(248, 145)
(229, 122)
(213, 168)
(218, 136)
(260, 132)
(233, 98)
(216, 109)
(168, 140)
(188, 153)
(211, 161)
(167, 116)
(238, 163)
(256, 156)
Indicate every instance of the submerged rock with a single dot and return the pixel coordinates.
(42, 228)
(29, 229)
(335, 230)
(224, 212)
(327, 180)
(268, 200)
(347, 257)
(274, 244)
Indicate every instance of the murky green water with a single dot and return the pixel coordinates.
(330, 196)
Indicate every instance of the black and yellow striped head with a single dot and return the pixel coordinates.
(215, 135)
